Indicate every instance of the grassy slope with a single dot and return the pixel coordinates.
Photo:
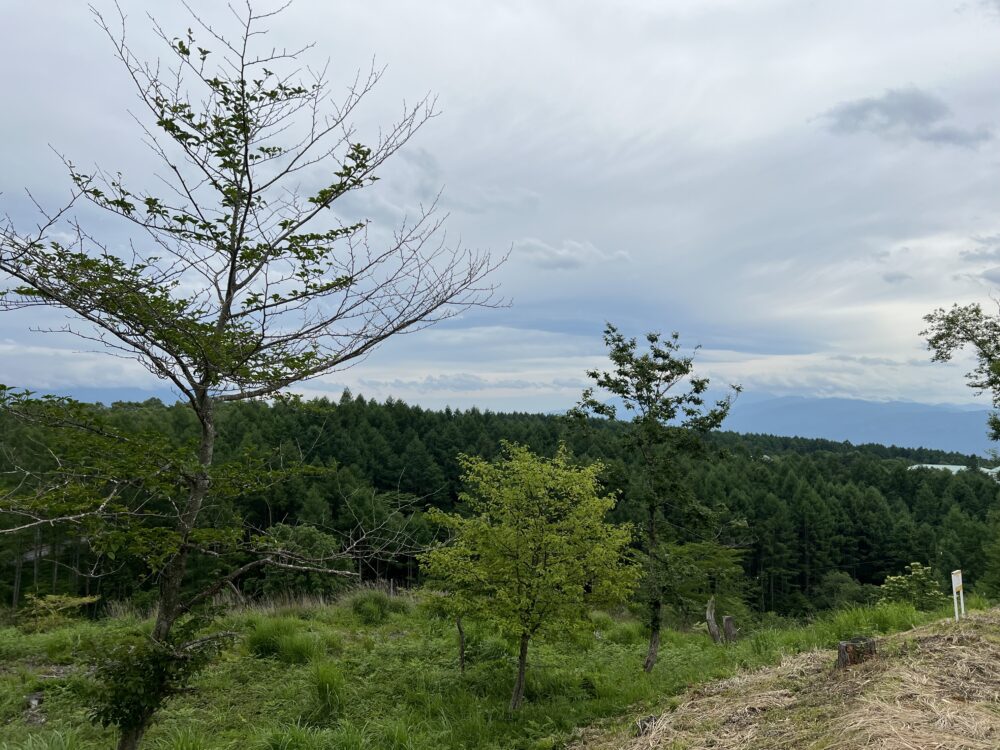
(383, 675)
(934, 687)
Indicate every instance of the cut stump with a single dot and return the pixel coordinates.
(855, 651)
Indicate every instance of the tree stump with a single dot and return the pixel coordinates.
(855, 651)
(713, 626)
(729, 628)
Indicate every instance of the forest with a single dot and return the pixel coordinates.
(811, 524)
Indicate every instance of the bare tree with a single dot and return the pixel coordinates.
(237, 283)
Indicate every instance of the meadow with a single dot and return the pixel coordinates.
(373, 671)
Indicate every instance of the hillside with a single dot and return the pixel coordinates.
(934, 687)
(935, 426)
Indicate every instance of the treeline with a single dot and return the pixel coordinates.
(815, 522)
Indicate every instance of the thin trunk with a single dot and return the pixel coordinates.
(656, 622)
(37, 558)
(172, 576)
(170, 605)
(713, 626)
(55, 563)
(656, 599)
(18, 567)
(517, 697)
(461, 645)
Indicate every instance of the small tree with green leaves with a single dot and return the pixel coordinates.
(535, 553)
(919, 587)
(669, 413)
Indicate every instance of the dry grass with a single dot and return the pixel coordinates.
(936, 687)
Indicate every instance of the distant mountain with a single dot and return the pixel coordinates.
(912, 425)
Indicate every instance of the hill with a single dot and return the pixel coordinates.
(932, 687)
(900, 423)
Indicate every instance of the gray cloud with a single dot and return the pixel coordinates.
(992, 275)
(568, 255)
(895, 277)
(903, 114)
(988, 248)
(466, 382)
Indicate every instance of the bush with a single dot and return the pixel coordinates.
(51, 611)
(919, 588)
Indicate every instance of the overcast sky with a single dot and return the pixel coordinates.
(790, 184)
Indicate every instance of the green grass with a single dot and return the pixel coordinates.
(341, 677)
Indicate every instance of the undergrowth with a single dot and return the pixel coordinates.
(374, 672)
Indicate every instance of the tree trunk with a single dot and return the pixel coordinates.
(655, 623)
(713, 626)
(729, 629)
(855, 651)
(18, 566)
(656, 600)
(461, 645)
(172, 576)
(130, 738)
(517, 696)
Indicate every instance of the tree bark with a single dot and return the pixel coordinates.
(729, 629)
(461, 645)
(517, 697)
(713, 626)
(655, 624)
(18, 566)
(855, 651)
(130, 738)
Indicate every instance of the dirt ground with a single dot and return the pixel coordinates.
(931, 688)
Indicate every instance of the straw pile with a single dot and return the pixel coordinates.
(932, 688)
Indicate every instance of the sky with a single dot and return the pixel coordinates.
(792, 185)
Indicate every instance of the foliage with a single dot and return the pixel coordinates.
(136, 677)
(669, 414)
(919, 587)
(51, 610)
(535, 553)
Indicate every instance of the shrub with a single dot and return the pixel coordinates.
(919, 588)
(51, 611)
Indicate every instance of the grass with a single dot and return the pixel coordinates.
(374, 672)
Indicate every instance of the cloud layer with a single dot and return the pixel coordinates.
(791, 185)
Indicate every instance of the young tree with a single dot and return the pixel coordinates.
(239, 280)
(667, 402)
(536, 553)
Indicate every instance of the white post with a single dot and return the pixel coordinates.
(957, 592)
(961, 599)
